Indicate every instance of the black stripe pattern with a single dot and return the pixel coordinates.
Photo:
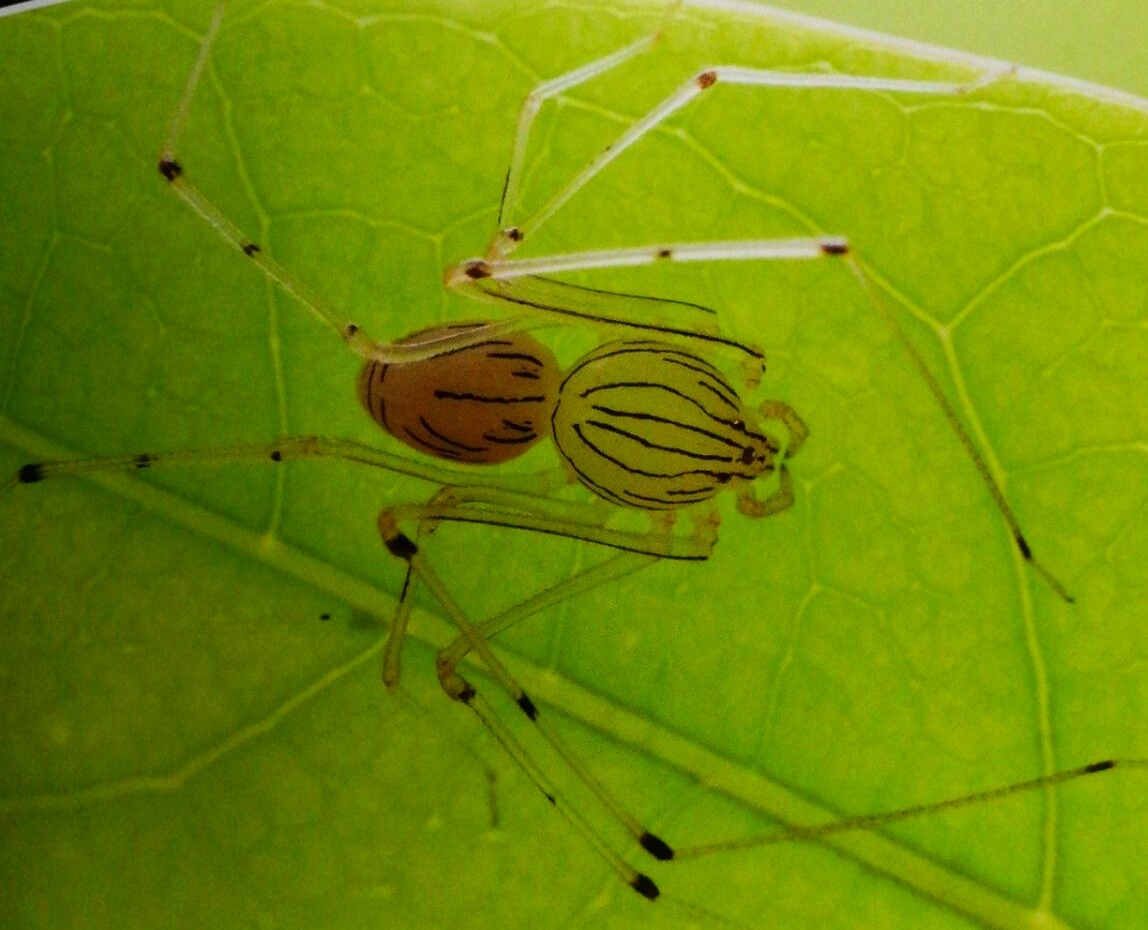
(485, 403)
(650, 425)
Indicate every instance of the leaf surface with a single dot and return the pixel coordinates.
(187, 743)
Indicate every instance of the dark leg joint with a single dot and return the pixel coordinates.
(527, 707)
(1100, 766)
(477, 270)
(645, 886)
(170, 168)
(401, 546)
(835, 248)
(1022, 545)
(31, 473)
(656, 847)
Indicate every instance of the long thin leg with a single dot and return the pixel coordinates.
(551, 88)
(515, 501)
(460, 689)
(518, 277)
(352, 334)
(440, 342)
(533, 101)
(475, 637)
(499, 271)
(508, 238)
(874, 821)
(612, 569)
(492, 504)
(488, 505)
(288, 449)
(521, 501)
(517, 280)
(958, 427)
(568, 304)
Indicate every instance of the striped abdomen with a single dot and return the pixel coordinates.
(485, 403)
(651, 425)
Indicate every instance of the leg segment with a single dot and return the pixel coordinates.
(546, 91)
(460, 689)
(506, 278)
(501, 278)
(612, 569)
(493, 506)
(288, 449)
(508, 238)
(875, 821)
(359, 341)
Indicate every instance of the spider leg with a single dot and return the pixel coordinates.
(286, 449)
(517, 280)
(553, 87)
(476, 638)
(508, 238)
(533, 101)
(874, 821)
(493, 504)
(612, 569)
(359, 341)
(520, 501)
(499, 277)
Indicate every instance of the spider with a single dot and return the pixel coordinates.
(646, 422)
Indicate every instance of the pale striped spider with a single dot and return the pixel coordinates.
(646, 422)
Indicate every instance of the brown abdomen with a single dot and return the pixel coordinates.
(485, 403)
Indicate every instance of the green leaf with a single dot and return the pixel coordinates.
(1084, 38)
(186, 743)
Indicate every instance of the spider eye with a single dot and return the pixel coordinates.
(748, 455)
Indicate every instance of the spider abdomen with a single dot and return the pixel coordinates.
(649, 424)
(485, 403)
